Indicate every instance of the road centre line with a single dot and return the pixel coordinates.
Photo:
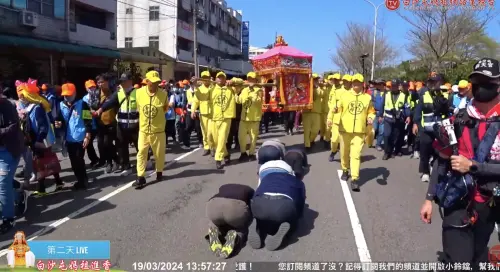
(359, 237)
(74, 214)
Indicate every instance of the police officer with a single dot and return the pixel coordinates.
(432, 107)
(396, 114)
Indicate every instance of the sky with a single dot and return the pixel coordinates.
(310, 26)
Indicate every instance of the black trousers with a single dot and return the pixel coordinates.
(124, 137)
(233, 134)
(190, 126)
(426, 151)
(170, 129)
(91, 150)
(394, 134)
(106, 136)
(468, 243)
(266, 119)
(76, 155)
(289, 120)
(272, 211)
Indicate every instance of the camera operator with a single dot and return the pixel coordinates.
(469, 221)
(432, 107)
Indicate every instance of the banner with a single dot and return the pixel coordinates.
(245, 39)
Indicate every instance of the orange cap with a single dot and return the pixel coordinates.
(89, 84)
(419, 85)
(388, 84)
(44, 87)
(185, 82)
(68, 89)
(448, 85)
(181, 84)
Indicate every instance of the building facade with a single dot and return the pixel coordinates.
(57, 40)
(255, 51)
(168, 26)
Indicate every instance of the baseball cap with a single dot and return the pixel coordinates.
(334, 76)
(463, 84)
(220, 74)
(205, 74)
(89, 84)
(68, 89)
(358, 77)
(347, 78)
(487, 67)
(388, 84)
(185, 82)
(251, 75)
(434, 76)
(125, 76)
(315, 76)
(153, 76)
(395, 82)
(454, 88)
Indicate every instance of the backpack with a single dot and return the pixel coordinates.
(455, 187)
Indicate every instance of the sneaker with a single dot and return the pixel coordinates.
(379, 148)
(252, 157)
(228, 247)
(243, 157)
(273, 242)
(345, 175)
(7, 225)
(115, 168)
(416, 155)
(218, 165)
(99, 165)
(214, 241)
(109, 168)
(32, 178)
(425, 178)
(79, 186)
(254, 236)
(125, 170)
(331, 158)
(206, 152)
(141, 181)
(386, 157)
(185, 147)
(355, 186)
(59, 187)
(91, 165)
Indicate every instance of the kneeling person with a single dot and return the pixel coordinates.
(297, 159)
(277, 205)
(271, 150)
(230, 215)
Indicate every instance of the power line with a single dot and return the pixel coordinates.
(153, 34)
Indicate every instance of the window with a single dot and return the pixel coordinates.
(128, 11)
(212, 7)
(154, 42)
(129, 42)
(60, 9)
(43, 7)
(154, 13)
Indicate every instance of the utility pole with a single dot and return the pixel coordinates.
(195, 38)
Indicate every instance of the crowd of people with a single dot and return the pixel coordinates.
(344, 114)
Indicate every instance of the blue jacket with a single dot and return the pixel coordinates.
(283, 183)
(40, 124)
(378, 100)
(94, 121)
(54, 105)
(76, 120)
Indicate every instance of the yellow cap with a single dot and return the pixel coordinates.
(347, 78)
(463, 84)
(219, 74)
(315, 76)
(205, 74)
(251, 75)
(334, 76)
(358, 77)
(153, 76)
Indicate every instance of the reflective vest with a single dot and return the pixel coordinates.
(428, 116)
(127, 112)
(190, 96)
(391, 107)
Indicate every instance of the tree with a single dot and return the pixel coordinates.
(356, 41)
(441, 35)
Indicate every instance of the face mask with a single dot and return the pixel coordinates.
(69, 99)
(485, 92)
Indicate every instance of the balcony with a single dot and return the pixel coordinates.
(109, 6)
(184, 55)
(213, 19)
(238, 14)
(186, 4)
(100, 38)
(184, 30)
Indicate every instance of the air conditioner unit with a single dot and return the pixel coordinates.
(29, 18)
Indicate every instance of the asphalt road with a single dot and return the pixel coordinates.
(166, 221)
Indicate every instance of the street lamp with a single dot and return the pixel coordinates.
(374, 35)
(363, 57)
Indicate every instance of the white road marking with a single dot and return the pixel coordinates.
(74, 214)
(359, 237)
